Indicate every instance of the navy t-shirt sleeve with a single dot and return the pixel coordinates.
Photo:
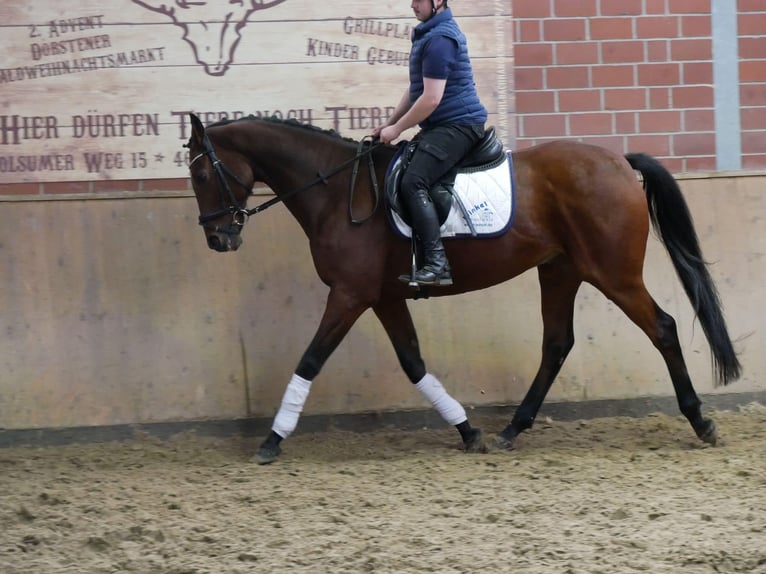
(439, 55)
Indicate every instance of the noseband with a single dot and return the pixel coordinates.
(241, 215)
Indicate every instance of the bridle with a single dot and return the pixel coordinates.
(241, 215)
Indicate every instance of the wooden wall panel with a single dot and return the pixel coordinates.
(115, 311)
(122, 118)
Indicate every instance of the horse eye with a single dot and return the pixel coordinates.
(200, 176)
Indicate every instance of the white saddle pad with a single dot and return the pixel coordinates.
(488, 198)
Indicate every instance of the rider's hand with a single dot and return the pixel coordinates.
(389, 134)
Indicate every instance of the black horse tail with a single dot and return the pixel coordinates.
(673, 223)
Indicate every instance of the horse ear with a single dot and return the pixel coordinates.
(198, 130)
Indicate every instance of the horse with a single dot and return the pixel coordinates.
(582, 214)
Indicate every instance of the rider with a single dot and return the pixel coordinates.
(443, 101)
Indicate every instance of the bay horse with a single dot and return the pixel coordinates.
(582, 215)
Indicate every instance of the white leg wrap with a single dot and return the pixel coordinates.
(450, 410)
(295, 396)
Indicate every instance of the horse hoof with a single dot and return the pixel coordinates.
(503, 443)
(709, 435)
(267, 455)
(475, 443)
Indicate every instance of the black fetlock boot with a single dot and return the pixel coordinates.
(425, 223)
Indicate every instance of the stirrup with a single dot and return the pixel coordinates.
(439, 280)
(411, 281)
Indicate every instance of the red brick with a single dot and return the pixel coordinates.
(533, 54)
(699, 49)
(621, 52)
(658, 74)
(564, 29)
(610, 28)
(757, 161)
(625, 122)
(692, 96)
(689, 6)
(657, 50)
(579, 100)
(754, 142)
(752, 95)
(753, 118)
(752, 48)
(566, 77)
(696, 26)
(535, 102)
(751, 24)
(553, 125)
(528, 31)
(750, 6)
(605, 76)
(699, 120)
(752, 71)
(615, 143)
(658, 145)
(20, 189)
(109, 185)
(701, 163)
(621, 7)
(531, 9)
(177, 184)
(625, 99)
(653, 122)
(568, 53)
(569, 9)
(657, 27)
(528, 78)
(659, 98)
(694, 144)
(57, 187)
(590, 124)
(655, 7)
(672, 164)
(697, 73)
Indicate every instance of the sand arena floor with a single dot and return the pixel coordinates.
(607, 495)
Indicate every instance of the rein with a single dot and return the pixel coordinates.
(240, 215)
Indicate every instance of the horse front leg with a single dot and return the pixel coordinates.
(397, 321)
(559, 283)
(341, 312)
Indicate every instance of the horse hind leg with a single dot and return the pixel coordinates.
(660, 327)
(559, 282)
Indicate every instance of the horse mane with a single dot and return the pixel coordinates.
(287, 122)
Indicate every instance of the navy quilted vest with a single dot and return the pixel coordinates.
(460, 104)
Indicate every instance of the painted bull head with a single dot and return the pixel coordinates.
(211, 27)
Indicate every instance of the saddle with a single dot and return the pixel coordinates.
(486, 154)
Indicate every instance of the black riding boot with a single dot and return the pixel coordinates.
(425, 223)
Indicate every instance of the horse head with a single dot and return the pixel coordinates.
(222, 181)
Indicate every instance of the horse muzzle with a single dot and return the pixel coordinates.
(223, 241)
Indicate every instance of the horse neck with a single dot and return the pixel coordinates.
(289, 158)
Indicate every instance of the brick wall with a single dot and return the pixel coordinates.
(751, 23)
(634, 75)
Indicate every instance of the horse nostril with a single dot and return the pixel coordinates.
(214, 242)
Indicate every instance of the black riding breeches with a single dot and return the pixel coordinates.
(438, 150)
